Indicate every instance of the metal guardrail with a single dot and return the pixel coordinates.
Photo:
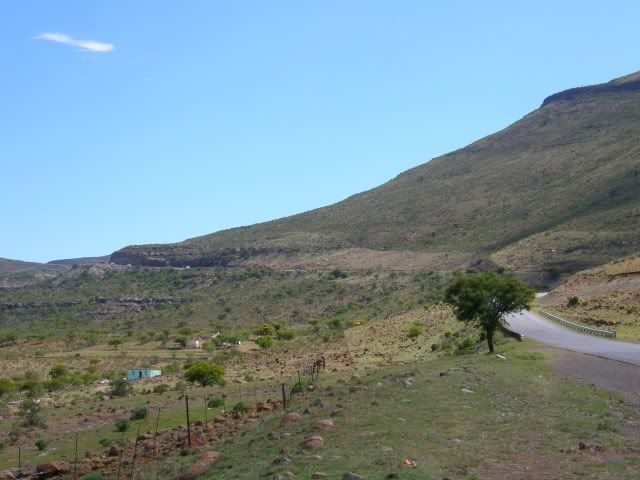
(577, 326)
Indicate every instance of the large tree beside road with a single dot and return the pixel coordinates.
(486, 298)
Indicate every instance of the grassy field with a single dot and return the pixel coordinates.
(463, 417)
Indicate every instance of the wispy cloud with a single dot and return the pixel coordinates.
(88, 45)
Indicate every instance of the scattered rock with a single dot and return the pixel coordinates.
(325, 424)
(290, 417)
(466, 390)
(53, 469)
(352, 476)
(7, 475)
(283, 460)
(318, 475)
(313, 441)
(501, 357)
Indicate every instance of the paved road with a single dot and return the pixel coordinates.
(534, 326)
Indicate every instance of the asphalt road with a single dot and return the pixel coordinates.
(531, 325)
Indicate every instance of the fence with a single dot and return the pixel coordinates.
(287, 390)
(577, 326)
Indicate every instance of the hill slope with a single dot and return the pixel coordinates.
(17, 272)
(557, 190)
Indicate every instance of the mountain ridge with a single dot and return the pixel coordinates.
(569, 170)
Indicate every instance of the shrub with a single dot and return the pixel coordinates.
(265, 330)
(95, 475)
(41, 444)
(121, 425)
(162, 388)
(435, 347)
(115, 342)
(120, 387)
(573, 302)
(466, 345)
(205, 373)
(264, 342)
(284, 334)
(215, 402)
(105, 442)
(240, 407)
(3, 445)
(6, 386)
(58, 371)
(415, 330)
(139, 413)
(29, 411)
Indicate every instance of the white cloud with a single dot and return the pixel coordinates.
(88, 45)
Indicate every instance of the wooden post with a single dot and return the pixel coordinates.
(19, 457)
(284, 398)
(75, 460)
(133, 459)
(206, 418)
(155, 437)
(120, 456)
(299, 382)
(186, 398)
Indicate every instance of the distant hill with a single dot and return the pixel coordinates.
(81, 260)
(557, 191)
(16, 272)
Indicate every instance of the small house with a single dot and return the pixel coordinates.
(140, 373)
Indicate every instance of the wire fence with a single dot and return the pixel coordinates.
(128, 456)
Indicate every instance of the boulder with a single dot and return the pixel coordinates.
(325, 424)
(352, 476)
(290, 417)
(7, 474)
(312, 442)
(52, 469)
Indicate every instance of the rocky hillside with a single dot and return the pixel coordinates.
(16, 272)
(555, 192)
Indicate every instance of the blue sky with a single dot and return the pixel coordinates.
(189, 117)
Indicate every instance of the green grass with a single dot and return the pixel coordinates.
(447, 432)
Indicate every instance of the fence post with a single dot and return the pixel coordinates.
(120, 456)
(186, 398)
(19, 457)
(206, 418)
(284, 398)
(75, 460)
(135, 449)
(155, 437)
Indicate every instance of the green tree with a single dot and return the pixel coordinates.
(115, 342)
(205, 373)
(264, 342)
(120, 387)
(486, 298)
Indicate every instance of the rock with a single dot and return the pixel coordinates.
(352, 476)
(444, 374)
(283, 460)
(313, 441)
(52, 469)
(357, 388)
(264, 407)
(466, 390)
(7, 474)
(501, 357)
(27, 471)
(337, 412)
(200, 466)
(317, 403)
(114, 451)
(290, 417)
(318, 475)
(408, 382)
(325, 424)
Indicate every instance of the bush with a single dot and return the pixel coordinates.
(29, 411)
(95, 475)
(120, 387)
(105, 442)
(466, 345)
(415, 330)
(41, 444)
(6, 386)
(573, 302)
(240, 407)
(215, 402)
(58, 371)
(264, 342)
(121, 425)
(284, 334)
(265, 330)
(205, 373)
(162, 388)
(139, 413)
(435, 347)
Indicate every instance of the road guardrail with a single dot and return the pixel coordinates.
(577, 326)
